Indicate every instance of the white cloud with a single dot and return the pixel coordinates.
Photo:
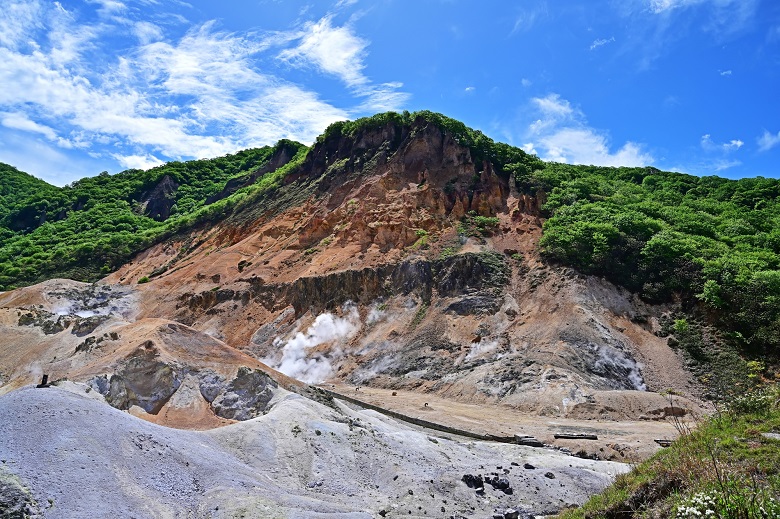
(525, 82)
(659, 6)
(20, 121)
(600, 42)
(137, 161)
(586, 146)
(767, 141)
(725, 72)
(109, 6)
(17, 20)
(562, 134)
(553, 105)
(203, 94)
(147, 32)
(724, 16)
(334, 50)
(339, 52)
(469, 89)
(709, 145)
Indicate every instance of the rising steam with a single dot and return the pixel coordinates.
(296, 361)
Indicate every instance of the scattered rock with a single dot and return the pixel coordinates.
(472, 481)
(530, 441)
(245, 397)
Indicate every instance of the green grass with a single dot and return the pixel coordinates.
(725, 465)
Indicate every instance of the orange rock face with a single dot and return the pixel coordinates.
(371, 266)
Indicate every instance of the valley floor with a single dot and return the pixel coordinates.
(622, 440)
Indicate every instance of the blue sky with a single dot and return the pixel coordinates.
(684, 85)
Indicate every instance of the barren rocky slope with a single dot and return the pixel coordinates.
(390, 260)
(427, 264)
(302, 459)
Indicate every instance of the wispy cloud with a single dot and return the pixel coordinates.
(17, 20)
(527, 17)
(724, 72)
(334, 50)
(724, 164)
(726, 147)
(203, 93)
(20, 121)
(656, 27)
(561, 134)
(768, 140)
(339, 52)
(724, 16)
(147, 32)
(601, 42)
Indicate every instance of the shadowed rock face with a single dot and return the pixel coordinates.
(450, 277)
(143, 380)
(149, 383)
(245, 397)
(157, 202)
(15, 500)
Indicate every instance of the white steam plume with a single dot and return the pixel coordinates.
(326, 328)
(612, 360)
(481, 347)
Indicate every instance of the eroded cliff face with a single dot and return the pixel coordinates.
(428, 261)
(390, 258)
(390, 266)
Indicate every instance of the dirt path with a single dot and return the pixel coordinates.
(617, 440)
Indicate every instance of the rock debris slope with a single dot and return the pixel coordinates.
(428, 261)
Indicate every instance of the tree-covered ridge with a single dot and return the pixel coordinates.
(503, 156)
(95, 225)
(15, 188)
(710, 242)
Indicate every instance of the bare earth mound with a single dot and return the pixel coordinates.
(82, 458)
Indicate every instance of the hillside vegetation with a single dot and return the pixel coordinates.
(727, 468)
(91, 227)
(708, 243)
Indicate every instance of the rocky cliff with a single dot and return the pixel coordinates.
(426, 261)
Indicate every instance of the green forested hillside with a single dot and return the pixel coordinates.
(708, 243)
(93, 226)
(15, 188)
(705, 241)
